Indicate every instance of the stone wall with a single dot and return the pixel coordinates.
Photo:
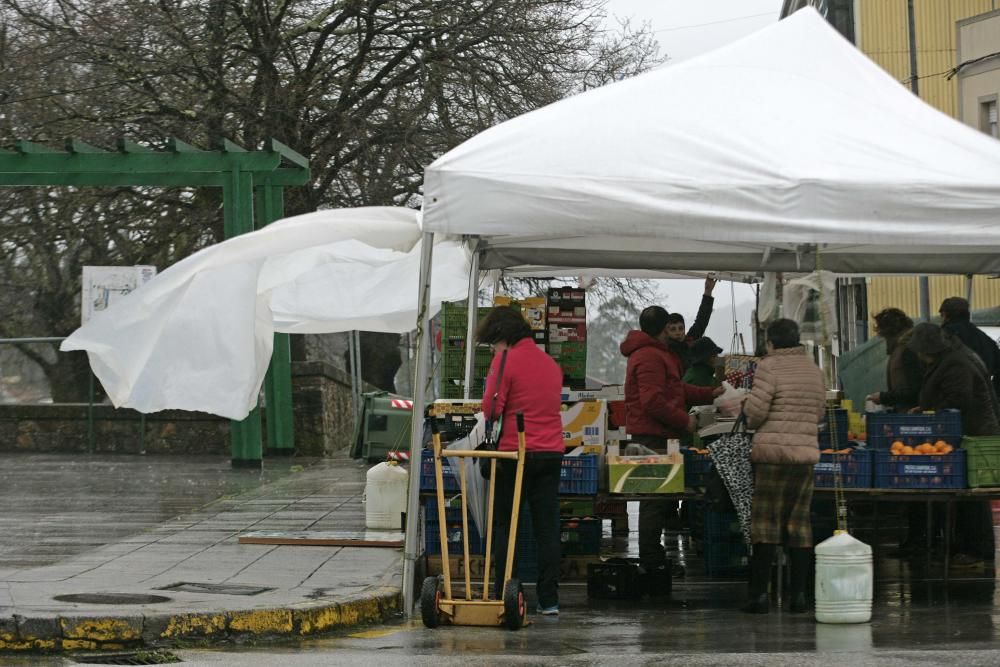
(63, 428)
(324, 416)
(324, 423)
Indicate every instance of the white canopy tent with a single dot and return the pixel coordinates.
(754, 157)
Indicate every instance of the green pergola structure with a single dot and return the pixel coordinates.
(252, 185)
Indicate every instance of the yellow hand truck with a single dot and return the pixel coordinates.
(437, 604)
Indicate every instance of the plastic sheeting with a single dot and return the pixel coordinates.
(736, 160)
(199, 335)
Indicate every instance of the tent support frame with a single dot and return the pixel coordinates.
(421, 364)
(470, 331)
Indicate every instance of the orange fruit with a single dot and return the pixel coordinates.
(907, 450)
(899, 444)
(947, 449)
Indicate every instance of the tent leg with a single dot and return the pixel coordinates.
(968, 290)
(470, 331)
(410, 551)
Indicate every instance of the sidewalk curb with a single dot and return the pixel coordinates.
(123, 631)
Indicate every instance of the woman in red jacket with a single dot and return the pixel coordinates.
(530, 382)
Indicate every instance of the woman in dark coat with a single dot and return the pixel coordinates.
(903, 372)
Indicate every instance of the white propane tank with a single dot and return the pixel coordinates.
(385, 496)
(843, 580)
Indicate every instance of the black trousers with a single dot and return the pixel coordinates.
(540, 495)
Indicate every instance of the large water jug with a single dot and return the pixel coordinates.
(385, 496)
(843, 580)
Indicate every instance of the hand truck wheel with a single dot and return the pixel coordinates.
(430, 601)
(515, 609)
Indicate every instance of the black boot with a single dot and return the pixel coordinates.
(800, 563)
(760, 575)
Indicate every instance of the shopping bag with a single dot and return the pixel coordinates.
(493, 426)
(730, 402)
(731, 459)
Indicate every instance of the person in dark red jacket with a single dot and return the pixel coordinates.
(530, 382)
(656, 409)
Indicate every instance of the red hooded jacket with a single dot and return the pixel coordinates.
(532, 384)
(656, 401)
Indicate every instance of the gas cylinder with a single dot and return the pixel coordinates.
(844, 576)
(385, 496)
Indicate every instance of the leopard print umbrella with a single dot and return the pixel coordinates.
(731, 456)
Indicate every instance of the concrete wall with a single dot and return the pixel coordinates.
(324, 423)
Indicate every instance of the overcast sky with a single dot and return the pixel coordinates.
(684, 29)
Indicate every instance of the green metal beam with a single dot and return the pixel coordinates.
(237, 198)
(278, 177)
(278, 382)
(31, 161)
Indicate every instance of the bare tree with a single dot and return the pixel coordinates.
(370, 90)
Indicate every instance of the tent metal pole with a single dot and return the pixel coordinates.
(410, 550)
(925, 299)
(354, 381)
(470, 329)
(968, 289)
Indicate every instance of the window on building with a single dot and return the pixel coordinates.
(988, 118)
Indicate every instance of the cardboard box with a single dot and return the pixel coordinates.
(646, 474)
(611, 392)
(533, 310)
(456, 406)
(584, 423)
(559, 333)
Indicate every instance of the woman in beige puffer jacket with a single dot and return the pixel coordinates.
(784, 407)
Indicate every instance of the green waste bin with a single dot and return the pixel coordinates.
(385, 425)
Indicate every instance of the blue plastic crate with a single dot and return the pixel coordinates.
(579, 475)
(453, 520)
(842, 424)
(449, 475)
(855, 469)
(886, 427)
(920, 471)
(696, 468)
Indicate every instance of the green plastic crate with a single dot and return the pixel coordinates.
(983, 460)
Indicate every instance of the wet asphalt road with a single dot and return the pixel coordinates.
(922, 624)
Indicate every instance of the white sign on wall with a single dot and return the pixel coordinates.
(104, 285)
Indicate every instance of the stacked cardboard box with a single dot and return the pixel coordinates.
(567, 332)
(533, 310)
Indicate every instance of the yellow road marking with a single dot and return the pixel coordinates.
(385, 632)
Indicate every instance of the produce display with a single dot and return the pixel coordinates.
(898, 448)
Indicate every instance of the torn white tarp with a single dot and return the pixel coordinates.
(199, 335)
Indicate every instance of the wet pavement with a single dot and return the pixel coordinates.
(925, 623)
(131, 527)
(58, 505)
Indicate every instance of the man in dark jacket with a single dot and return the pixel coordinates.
(955, 379)
(956, 320)
(656, 404)
(680, 341)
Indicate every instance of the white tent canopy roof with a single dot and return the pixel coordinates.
(746, 158)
